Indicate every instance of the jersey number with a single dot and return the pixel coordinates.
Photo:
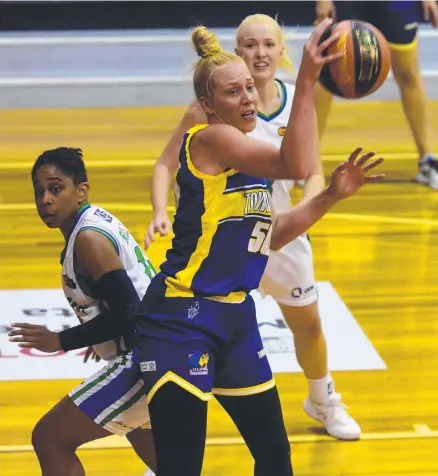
(141, 258)
(260, 238)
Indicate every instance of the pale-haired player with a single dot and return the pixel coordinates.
(289, 276)
(105, 274)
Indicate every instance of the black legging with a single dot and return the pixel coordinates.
(179, 423)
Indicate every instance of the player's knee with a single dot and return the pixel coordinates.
(306, 323)
(407, 75)
(276, 458)
(41, 437)
(312, 326)
(46, 440)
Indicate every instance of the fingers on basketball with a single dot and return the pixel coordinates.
(326, 43)
(319, 30)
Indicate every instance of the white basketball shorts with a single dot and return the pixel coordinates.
(289, 276)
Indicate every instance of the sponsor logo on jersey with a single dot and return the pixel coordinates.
(262, 353)
(281, 131)
(198, 363)
(257, 202)
(104, 215)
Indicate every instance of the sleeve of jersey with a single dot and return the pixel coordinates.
(118, 292)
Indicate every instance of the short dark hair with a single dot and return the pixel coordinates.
(67, 159)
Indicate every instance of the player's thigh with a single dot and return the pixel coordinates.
(114, 397)
(260, 421)
(142, 440)
(243, 369)
(65, 426)
(289, 275)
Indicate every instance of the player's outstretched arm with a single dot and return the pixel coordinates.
(347, 179)
(164, 169)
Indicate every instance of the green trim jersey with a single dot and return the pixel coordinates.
(79, 290)
(271, 128)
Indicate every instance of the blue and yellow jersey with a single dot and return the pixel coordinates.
(222, 230)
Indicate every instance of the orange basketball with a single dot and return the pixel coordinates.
(365, 64)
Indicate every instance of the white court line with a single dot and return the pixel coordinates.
(174, 79)
(290, 35)
(423, 429)
(118, 442)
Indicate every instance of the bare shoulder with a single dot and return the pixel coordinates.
(219, 133)
(95, 253)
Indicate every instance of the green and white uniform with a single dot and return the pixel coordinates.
(113, 397)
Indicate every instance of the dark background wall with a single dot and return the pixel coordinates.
(82, 15)
(54, 15)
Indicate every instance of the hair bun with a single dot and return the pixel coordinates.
(205, 42)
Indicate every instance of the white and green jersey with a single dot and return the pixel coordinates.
(79, 290)
(271, 128)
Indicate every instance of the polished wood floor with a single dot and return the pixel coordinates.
(379, 250)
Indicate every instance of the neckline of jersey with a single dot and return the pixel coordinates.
(283, 92)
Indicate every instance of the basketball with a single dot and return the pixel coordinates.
(365, 64)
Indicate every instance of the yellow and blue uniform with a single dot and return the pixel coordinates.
(397, 20)
(197, 322)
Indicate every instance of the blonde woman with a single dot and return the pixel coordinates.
(289, 276)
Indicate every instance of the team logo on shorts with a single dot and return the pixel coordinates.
(193, 311)
(298, 292)
(149, 366)
(198, 363)
(281, 131)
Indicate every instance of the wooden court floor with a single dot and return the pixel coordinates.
(378, 249)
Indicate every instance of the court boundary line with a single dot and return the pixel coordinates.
(115, 442)
(291, 34)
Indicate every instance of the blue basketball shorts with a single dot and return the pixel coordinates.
(204, 346)
(397, 20)
(114, 397)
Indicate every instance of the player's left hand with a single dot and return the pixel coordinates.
(349, 176)
(35, 337)
(90, 354)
